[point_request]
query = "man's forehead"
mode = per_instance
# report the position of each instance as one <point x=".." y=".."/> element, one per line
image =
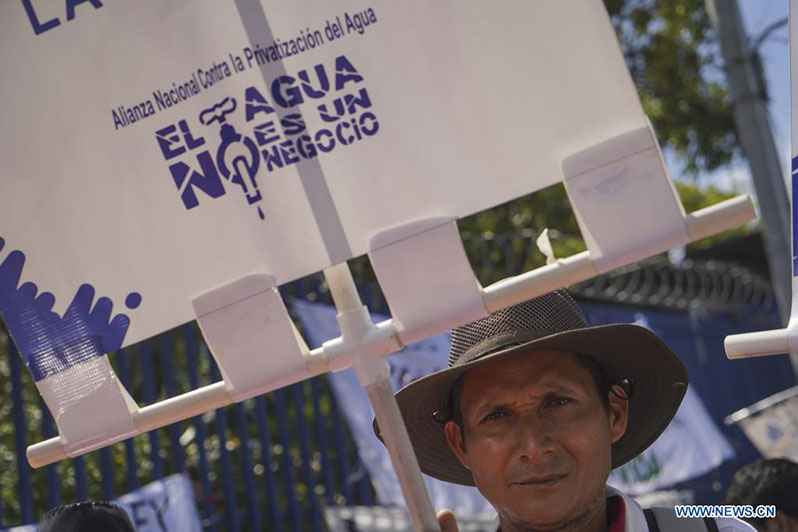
<point x="551" y="368"/>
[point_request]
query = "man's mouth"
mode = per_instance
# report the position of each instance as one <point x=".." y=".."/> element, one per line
<point x="547" y="480"/>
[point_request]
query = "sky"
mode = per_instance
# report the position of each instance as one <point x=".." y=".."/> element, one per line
<point x="774" y="51"/>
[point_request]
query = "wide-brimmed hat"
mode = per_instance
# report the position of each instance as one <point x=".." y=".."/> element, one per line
<point x="655" y="378"/>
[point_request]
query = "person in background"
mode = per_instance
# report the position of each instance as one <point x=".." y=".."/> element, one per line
<point x="87" y="517"/>
<point x="768" y="481"/>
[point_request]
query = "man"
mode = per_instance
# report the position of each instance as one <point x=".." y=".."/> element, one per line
<point x="764" y="482"/>
<point x="536" y="407"/>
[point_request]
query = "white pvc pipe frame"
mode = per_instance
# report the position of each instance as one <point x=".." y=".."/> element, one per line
<point x="381" y="339"/>
<point x="759" y="343"/>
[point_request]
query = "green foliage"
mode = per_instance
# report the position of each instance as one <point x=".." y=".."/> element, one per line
<point x="500" y="242"/>
<point x="674" y="57"/>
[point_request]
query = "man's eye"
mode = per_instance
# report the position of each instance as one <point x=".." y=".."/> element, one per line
<point x="493" y="415"/>
<point x="559" y="401"/>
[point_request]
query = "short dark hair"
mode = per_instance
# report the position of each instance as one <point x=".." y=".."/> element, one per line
<point x="601" y="378"/>
<point x="767" y="481"/>
<point x="82" y="516"/>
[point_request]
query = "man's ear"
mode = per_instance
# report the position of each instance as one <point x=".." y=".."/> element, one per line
<point x="454" y="437"/>
<point x="619" y="412"/>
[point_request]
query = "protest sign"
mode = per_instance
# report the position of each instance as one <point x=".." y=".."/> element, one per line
<point x="257" y="137"/>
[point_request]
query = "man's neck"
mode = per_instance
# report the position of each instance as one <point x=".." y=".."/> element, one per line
<point x="593" y="519"/>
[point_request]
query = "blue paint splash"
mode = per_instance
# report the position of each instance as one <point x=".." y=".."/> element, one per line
<point x="50" y="343"/>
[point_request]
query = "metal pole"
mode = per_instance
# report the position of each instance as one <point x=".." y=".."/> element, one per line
<point x="372" y="373"/>
<point x="756" y="137"/>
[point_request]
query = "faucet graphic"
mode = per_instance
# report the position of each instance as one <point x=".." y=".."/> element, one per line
<point x="237" y="157"/>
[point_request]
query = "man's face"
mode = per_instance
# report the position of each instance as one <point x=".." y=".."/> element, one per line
<point x="538" y="438"/>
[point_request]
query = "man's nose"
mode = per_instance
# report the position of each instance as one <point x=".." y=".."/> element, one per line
<point x="534" y="437"/>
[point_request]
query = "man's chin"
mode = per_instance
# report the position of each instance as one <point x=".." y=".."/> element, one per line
<point x="540" y="513"/>
<point x="551" y="509"/>
<point x="539" y="522"/>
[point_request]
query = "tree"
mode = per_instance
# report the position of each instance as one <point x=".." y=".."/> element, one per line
<point x="673" y="54"/>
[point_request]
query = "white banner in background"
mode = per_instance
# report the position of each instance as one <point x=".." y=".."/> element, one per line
<point x="261" y="136"/>
<point x="691" y="446"/>
<point x="414" y="361"/>
<point x="165" y="505"/>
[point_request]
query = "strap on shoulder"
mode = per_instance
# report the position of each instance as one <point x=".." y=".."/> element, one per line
<point x="651" y="521"/>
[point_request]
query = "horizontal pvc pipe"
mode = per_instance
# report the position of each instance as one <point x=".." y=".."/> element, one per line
<point x="380" y="339"/>
<point x="537" y="282"/>
<point x="720" y="217"/>
<point x="577" y="268"/>
<point x="757" y="344"/>
<point x="148" y="418"/>
<point x="182" y="407"/>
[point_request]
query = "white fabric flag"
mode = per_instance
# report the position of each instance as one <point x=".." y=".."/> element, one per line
<point x="691" y="446"/>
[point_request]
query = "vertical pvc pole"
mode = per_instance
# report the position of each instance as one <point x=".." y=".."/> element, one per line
<point x="793" y="31"/>
<point x="372" y="372"/>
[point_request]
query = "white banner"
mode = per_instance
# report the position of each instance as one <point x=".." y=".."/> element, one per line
<point x="691" y="446"/>
<point x="414" y="361"/>
<point x="165" y="505"/>
<point x="256" y="136"/>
